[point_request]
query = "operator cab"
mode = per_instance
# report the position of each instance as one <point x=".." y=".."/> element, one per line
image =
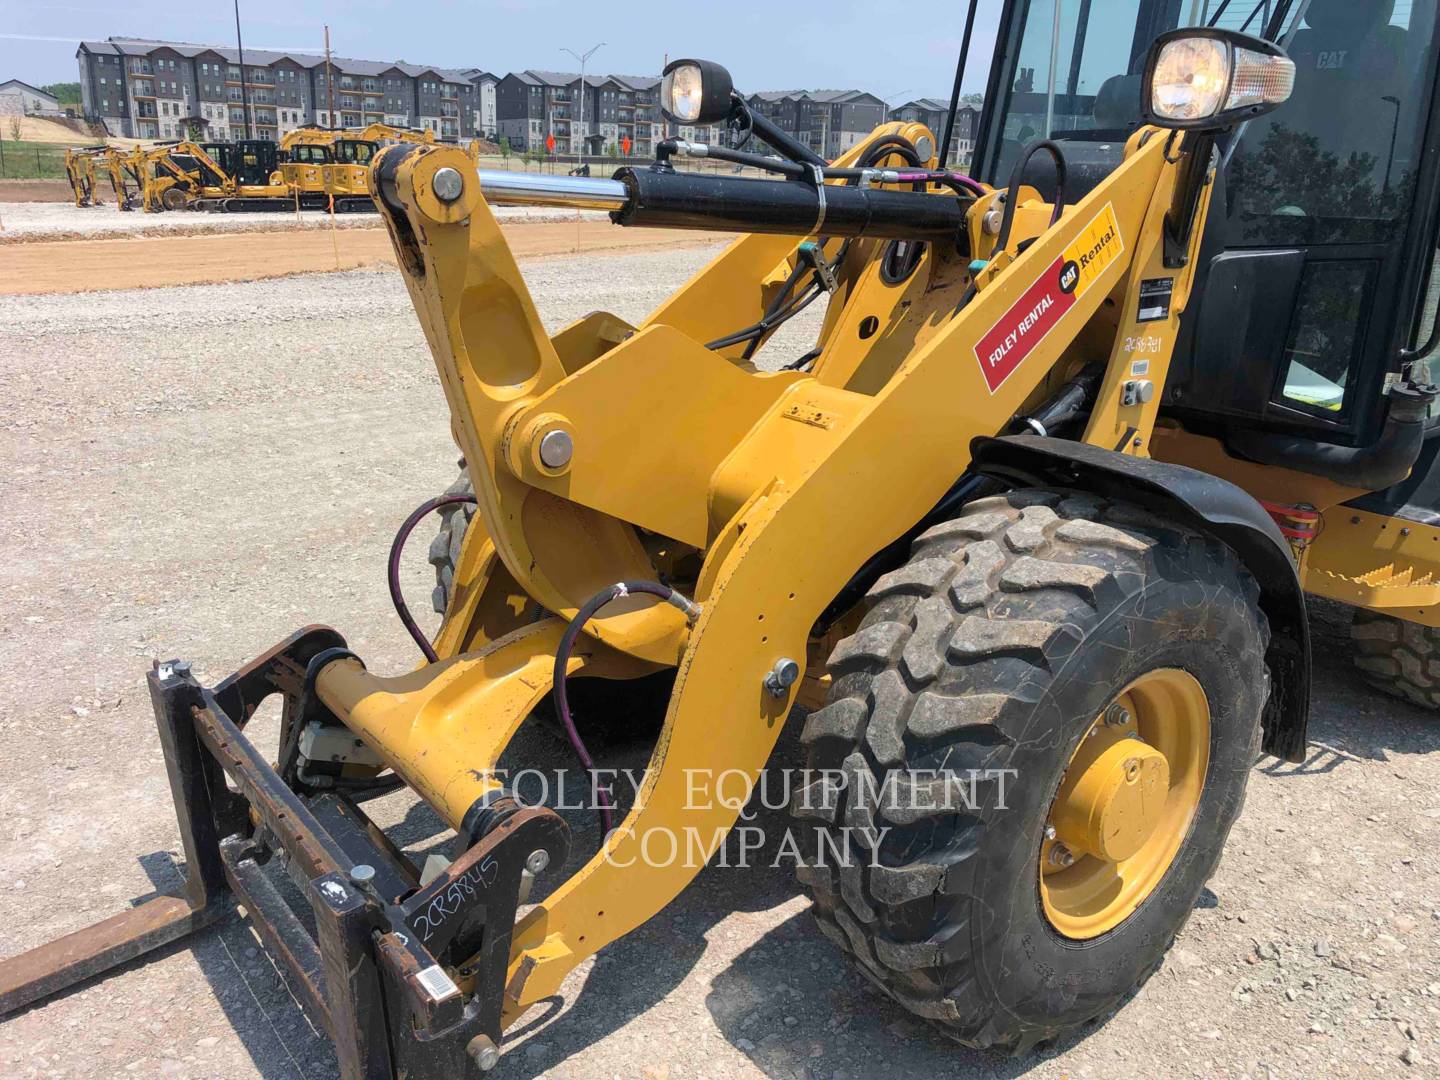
<point x="253" y="161"/>
<point x="354" y="151"/>
<point x="310" y="154"/>
<point x="1318" y="250"/>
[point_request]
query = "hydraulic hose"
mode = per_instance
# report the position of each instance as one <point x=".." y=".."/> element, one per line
<point x="562" y="662"/>
<point x="393" y="573"/>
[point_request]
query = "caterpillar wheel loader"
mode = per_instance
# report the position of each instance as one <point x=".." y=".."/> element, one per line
<point x="1031" y="525"/>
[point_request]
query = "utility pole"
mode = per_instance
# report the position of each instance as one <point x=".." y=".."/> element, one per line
<point x="582" y="57"/>
<point x="244" y="95"/>
<point x="329" y="81"/>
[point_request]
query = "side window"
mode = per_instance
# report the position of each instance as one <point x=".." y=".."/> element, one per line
<point x="1325" y="335"/>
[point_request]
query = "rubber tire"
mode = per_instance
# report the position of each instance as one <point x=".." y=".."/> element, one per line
<point x="995" y="647"/>
<point x="1398" y="658"/>
<point x="444" y="552"/>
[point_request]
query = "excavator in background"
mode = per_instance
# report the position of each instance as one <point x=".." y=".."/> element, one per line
<point x="1030" y="525"/>
<point x="124" y="180"/>
<point x="329" y="169"/>
<point x="80" y="172"/>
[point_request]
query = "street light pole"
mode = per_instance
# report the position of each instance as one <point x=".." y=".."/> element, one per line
<point x="244" y="95"/>
<point x="582" y="57"/>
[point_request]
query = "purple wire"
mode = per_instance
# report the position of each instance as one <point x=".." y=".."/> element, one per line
<point x="396" y="547"/>
<point x="562" y="663"/>
<point x="562" y="654"/>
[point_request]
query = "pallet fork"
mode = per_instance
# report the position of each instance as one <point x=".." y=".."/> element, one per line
<point x="372" y="972"/>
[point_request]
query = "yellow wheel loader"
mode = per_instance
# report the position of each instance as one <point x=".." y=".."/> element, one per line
<point x="1030" y="527"/>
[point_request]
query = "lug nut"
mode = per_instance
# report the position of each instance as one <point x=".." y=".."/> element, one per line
<point x="781" y="677"/>
<point x="1061" y="856"/>
<point x="1116" y="715"/>
<point x="1049" y="832"/>
<point x="447" y="184"/>
<point x="556" y="448"/>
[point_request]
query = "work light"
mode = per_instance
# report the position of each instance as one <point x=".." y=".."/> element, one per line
<point x="1211" y="79"/>
<point x="695" y="92"/>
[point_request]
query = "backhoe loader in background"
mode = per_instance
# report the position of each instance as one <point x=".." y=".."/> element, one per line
<point x="80" y="172"/>
<point x="1032" y="523"/>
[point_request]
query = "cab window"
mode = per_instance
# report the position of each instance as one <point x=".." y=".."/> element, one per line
<point x="1337" y="163"/>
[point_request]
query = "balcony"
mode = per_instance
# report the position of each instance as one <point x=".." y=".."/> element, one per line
<point x="140" y="67"/>
<point x="142" y="89"/>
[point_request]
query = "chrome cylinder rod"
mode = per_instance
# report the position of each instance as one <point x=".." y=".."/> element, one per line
<point x="536" y="189"/>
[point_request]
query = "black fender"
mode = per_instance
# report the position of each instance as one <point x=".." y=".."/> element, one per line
<point x="1208" y="504"/>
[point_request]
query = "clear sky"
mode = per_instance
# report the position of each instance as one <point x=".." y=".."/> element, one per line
<point x="896" y="50"/>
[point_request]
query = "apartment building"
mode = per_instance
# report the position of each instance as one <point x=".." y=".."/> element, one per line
<point x="484" y="101"/>
<point x="147" y="89"/>
<point x="830" y="122"/>
<point x="932" y="113"/>
<point x="532" y="107"/>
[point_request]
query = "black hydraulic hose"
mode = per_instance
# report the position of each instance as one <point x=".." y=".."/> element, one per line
<point x="562" y="663"/>
<point x="1017" y="176"/>
<point x="393" y="572"/>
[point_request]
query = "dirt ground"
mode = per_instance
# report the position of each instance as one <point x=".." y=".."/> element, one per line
<point x="28" y="191"/>
<point x="197" y="471"/>
<point x="267" y="251"/>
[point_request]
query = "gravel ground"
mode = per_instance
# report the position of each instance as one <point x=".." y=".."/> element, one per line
<point x="31" y="221"/>
<point x="198" y="471"/>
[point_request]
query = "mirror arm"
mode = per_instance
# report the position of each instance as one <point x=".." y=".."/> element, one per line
<point x="1198" y="147"/>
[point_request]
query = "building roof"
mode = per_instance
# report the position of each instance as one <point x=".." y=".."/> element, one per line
<point x="33" y="89"/>
<point x="123" y="46"/>
<point x="823" y="97"/>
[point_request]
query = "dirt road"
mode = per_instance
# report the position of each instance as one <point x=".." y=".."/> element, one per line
<point x="199" y="470"/>
<point x="151" y="262"/>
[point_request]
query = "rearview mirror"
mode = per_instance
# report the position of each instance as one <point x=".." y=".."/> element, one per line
<point x="695" y="92"/>
<point x="1208" y="79"/>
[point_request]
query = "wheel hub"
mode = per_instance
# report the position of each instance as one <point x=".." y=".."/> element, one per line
<point x="1125" y="804"/>
<point x="1113" y="799"/>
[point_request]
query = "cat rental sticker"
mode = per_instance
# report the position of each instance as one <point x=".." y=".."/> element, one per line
<point x="1016" y="333"/>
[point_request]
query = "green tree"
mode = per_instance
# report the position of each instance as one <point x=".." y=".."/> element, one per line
<point x="67" y="93"/>
<point x="505" y="147"/>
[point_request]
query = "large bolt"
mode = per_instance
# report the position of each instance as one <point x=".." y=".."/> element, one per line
<point x="448" y="184"/>
<point x="556" y="448"/>
<point x="483" y="1052"/>
<point x="362" y="874"/>
<point x="538" y="860"/>
<point x="1116" y="715"/>
<point x="781" y="677"/>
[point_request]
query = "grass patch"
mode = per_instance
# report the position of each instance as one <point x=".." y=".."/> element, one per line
<point x="31" y="160"/>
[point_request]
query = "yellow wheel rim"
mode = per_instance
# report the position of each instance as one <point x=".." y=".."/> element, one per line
<point x="1125" y="803"/>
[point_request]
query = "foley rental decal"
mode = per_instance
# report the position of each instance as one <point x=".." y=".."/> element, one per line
<point x="1016" y="333"/>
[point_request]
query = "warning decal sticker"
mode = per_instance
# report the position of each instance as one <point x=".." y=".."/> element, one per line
<point x="1016" y="333"/>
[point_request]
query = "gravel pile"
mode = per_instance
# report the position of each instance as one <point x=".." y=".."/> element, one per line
<point x="64" y="221"/>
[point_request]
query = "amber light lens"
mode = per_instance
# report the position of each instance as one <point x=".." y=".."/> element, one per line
<point x="1260" y="80"/>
